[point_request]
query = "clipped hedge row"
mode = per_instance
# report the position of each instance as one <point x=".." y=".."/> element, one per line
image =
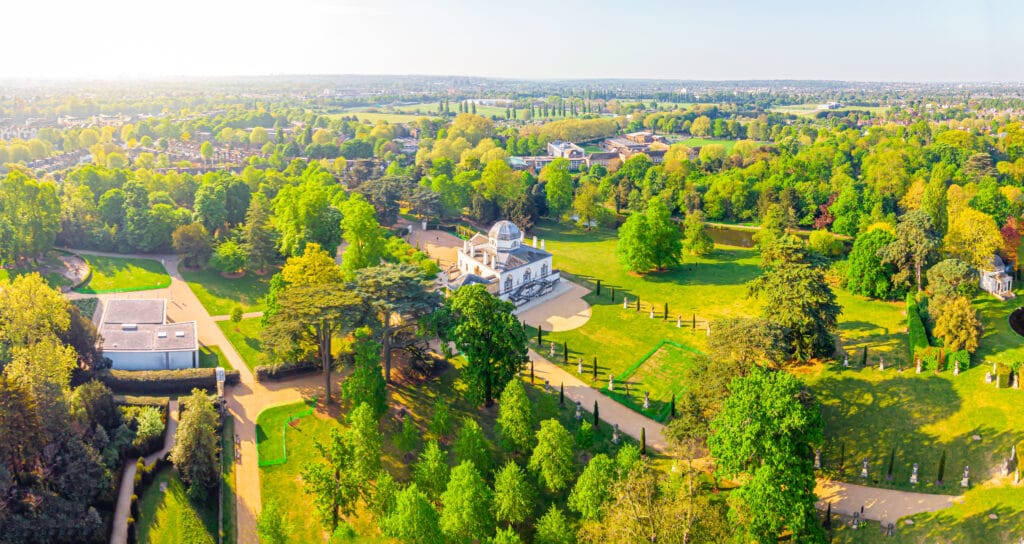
<point x="1003" y="373"/>
<point x="280" y="372"/>
<point x="163" y="382"/>
<point x="915" y="327"/>
<point x="961" y="359"/>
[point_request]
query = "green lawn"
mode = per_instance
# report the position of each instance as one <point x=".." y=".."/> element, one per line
<point x="54" y="279"/>
<point x="212" y="357"/>
<point x="228" y="485"/>
<point x="219" y="295"/>
<point x="116" y="274"/>
<point x="171" y="517"/>
<point x="245" y="337"/>
<point x="809" y="110"/>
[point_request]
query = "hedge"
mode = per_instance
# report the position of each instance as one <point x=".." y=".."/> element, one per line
<point x="915" y="327"/>
<point x="157" y="443"/>
<point x="1003" y="372"/>
<point x="163" y="382"/>
<point x="931" y="359"/>
<point x="961" y="359"/>
<point x="280" y="372"/>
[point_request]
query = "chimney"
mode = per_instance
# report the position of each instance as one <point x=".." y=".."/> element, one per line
<point x="542" y="245"/>
<point x="535" y="241"/>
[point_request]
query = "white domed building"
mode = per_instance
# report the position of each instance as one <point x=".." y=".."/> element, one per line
<point x="510" y="269"/>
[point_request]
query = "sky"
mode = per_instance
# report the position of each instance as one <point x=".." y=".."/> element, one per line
<point x="863" y="40"/>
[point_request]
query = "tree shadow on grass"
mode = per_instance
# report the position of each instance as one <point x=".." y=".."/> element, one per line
<point x="869" y="420"/>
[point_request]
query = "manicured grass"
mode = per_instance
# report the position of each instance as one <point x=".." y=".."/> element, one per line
<point x="228" y="486"/>
<point x="116" y="274"/>
<point x="809" y="110"/>
<point x="269" y="426"/>
<point x="245" y="336"/>
<point x="219" y="295"/>
<point x="212" y="357"/>
<point x="870" y="411"/>
<point x="660" y="373"/>
<point x="173" y="518"/>
<point x="54" y="279"/>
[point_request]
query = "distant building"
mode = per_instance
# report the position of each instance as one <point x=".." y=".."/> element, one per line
<point x="409" y="145"/>
<point x="995" y="279"/>
<point x="511" y="270"/>
<point x="135" y="335"/>
<point x="560" y="149"/>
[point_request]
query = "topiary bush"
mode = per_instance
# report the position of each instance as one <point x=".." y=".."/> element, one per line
<point x="1003" y="372"/>
<point x="961" y="359"/>
<point x="915" y="327"/>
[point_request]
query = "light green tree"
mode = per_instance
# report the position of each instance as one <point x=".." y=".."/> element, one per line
<point x="515" y="416"/>
<point x="552" y="458"/>
<point x="467" y="505"/>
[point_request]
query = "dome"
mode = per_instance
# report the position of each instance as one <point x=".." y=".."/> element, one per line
<point x="505" y="231"/>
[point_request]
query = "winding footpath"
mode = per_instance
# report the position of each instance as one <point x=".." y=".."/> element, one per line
<point x="247" y="399"/>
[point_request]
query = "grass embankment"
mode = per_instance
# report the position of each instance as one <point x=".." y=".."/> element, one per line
<point x="118" y="274"/>
<point x="171" y="517"/>
<point x="219" y="295"/>
<point x="245" y="336"/>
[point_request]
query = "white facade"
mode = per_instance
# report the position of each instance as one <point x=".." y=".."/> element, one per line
<point x="995" y="280"/>
<point x="153" y="360"/>
<point x="511" y="269"/>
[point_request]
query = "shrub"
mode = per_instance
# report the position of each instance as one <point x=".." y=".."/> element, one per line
<point x="280" y="372"/>
<point x="229" y="257"/>
<point x="585" y="435"/>
<point x="163" y="382"/>
<point x="1003" y="372"/>
<point x="915" y="327"/>
<point x="149" y="424"/>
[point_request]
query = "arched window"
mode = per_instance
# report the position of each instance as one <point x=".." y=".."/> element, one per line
<point x="508" y="283"/>
<point x="526" y="276"/>
<point x="544" y="270"/>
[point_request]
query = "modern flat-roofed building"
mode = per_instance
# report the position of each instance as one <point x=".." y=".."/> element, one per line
<point x="135" y="335"/>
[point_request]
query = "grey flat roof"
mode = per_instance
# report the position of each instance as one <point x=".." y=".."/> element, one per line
<point x="134" y="311"/>
<point x="147" y="337"/>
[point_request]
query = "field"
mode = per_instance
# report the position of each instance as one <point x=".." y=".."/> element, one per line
<point x="219" y="295"/>
<point x="117" y="274"/>
<point x="282" y="483"/>
<point x="661" y="373"/>
<point x="173" y="518"/>
<point x="812" y="109"/>
<point x="245" y="339"/>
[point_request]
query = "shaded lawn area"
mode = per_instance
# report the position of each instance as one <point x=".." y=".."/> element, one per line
<point x="54" y="279"/>
<point x="219" y="295"/>
<point x="227" y="476"/>
<point x="87" y="306"/>
<point x="173" y="518"/>
<point x="118" y="274"/>
<point x="283" y="483"/>
<point x="212" y="357"/>
<point x="245" y="336"/>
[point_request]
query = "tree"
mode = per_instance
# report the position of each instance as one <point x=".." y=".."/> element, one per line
<point x="559" y="186"/>
<point x="915" y="247"/>
<point x="228" y="258"/>
<point x="747" y="340"/>
<point x="30" y="213"/>
<point x="206" y="151"/>
<point x="515" y="416"/>
<point x="366" y="383"/>
<point x="957" y="323"/>
<point x="334" y="486"/>
<point x="471" y="445"/>
<point x="796" y="294"/>
<point x="211" y="206"/>
<point x="363" y="235"/>
<point x="315" y="313"/>
<point x="259" y="239"/>
<point x="552" y="459"/>
<point x="196" y="445"/>
<point x="696" y="239"/>
<point x="651" y="240"/>
<point x="593" y="487"/>
<point x="271" y="525"/>
<point x="313" y="266"/>
<point x="305" y="213"/>
<point x="413" y="519"/>
<point x="431" y="471"/>
<point x="193" y="243"/>
<point x="973" y="237"/>
<point x="483" y="328"/>
<point x="766" y="432"/>
<point x="553" y="528"/>
<point x="467" y="505"/>
<point x="363" y="437"/>
<point x="400" y="296"/>
<point x="867" y="275"/>
<point x="513" y="496"/>
<point x="951" y="277"/>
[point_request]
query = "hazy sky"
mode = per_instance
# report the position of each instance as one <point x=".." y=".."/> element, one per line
<point x="711" y="39"/>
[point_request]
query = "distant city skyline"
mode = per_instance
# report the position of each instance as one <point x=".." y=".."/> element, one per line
<point x="574" y="39"/>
